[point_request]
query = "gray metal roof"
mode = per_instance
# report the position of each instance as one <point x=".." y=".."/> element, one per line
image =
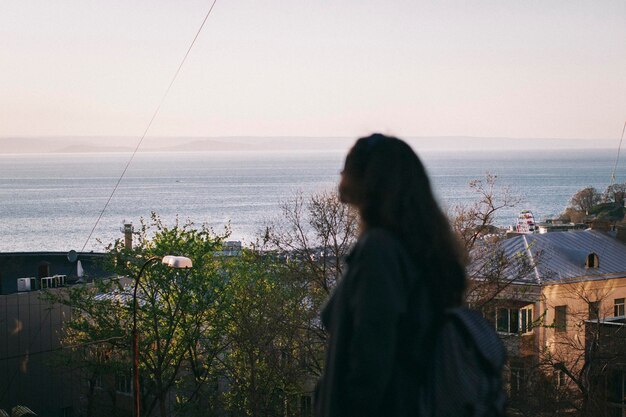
<point x="121" y="297"/>
<point x="562" y="255"/>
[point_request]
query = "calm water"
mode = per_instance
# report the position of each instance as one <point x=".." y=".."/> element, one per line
<point x="51" y="201"/>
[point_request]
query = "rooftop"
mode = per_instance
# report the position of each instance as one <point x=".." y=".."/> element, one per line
<point x="573" y="255"/>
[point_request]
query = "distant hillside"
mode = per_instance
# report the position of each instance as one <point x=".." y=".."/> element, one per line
<point x="22" y="145"/>
<point x="64" y="145"/>
<point x="245" y="143"/>
<point x="92" y="149"/>
<point x="206" y="145"/>
<point x="182" y="144"/>
<point x="90" y="144"/>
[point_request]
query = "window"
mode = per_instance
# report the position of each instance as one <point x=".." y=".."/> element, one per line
<point x="507" y="320"/>
<point x="560" y="379"/>
<point x="594" y="310"/>
<point x="560" y="318"/>
<point x="95" y="380"/>
<point x="123" y="384"/>
<point x="513" y="320"/>
<point x="526" y="319"/>
<point x="592" y="261"/>
<point x="618" y="308"/>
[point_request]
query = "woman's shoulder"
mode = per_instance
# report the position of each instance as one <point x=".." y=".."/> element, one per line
<point x="378" y="242"/>
<point x="379" y="236"/>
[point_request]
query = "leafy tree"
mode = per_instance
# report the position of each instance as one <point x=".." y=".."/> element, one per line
<point x="250" y="324"/>
<point x="95" y="340"/>
<point x="177" y="315"/>
<point x="264" y="322"/>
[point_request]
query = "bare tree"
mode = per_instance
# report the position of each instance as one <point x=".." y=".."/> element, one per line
<point x="615" y="193"/>
<point x="477" y="219"/>
<point x="314" y="235"/>
<point x="491" y="271"/>
<point x="585" y="199"/>
<point x="318" y="231"/>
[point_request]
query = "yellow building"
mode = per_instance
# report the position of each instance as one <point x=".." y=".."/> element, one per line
<point x="555" y="313"/>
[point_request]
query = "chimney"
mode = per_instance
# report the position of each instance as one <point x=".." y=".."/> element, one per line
<point x="128" y="236"/>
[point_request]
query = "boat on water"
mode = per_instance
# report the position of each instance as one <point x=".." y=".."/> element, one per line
<point x="526" y="222"/>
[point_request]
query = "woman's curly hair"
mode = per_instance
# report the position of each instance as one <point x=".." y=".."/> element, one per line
<point x="386" y="181"/>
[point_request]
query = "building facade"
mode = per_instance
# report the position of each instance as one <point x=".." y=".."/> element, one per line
<point x="574" y="286"/>
<point x="30" y="329"/>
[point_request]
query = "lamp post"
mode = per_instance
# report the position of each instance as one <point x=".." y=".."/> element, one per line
<point x="177" y="262"/>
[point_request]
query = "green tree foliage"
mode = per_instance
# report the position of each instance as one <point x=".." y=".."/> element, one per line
<point x="241" y="334"/>
<point x="229" y="335"/>
<point x="96" y="338"/>
<point x="264" y="326"/>
<point x="178" y="311"/>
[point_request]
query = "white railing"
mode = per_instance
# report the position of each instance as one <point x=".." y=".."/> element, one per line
<point x="52" y="282"/>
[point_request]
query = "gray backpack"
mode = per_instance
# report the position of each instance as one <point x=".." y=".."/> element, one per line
<point x="464" y="368"/>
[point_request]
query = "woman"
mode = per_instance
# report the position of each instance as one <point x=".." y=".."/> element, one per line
<point x="404" y="270"/>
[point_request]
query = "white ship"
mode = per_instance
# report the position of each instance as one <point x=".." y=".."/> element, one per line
<point x="526" y="222"/>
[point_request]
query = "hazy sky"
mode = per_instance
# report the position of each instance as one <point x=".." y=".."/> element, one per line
<point x="519" y="68"/>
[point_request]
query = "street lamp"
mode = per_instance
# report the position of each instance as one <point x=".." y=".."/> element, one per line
<point x="177" y="262"/>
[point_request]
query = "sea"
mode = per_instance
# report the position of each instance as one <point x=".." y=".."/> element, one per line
<point x="51" y="202"/>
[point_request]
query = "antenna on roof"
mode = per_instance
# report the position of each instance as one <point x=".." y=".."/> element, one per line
<point x="72" y="256"/>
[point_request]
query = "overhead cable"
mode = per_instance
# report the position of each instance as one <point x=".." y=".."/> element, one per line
<point x="145" y="132"/>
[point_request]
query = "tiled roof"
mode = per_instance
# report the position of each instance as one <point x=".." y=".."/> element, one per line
<point x="563" y="255"/>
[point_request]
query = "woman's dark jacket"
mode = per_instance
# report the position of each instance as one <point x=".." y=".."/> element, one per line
<point x="377" y="318"/>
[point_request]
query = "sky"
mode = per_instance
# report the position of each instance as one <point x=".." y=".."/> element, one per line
<point x="483" y="68"/>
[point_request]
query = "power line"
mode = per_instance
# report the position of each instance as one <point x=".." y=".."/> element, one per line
<point x="145" y="132"/>
<point x="617" y="158"/>
<point x="29" y="354"/>
<point x="41" y="352"/>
